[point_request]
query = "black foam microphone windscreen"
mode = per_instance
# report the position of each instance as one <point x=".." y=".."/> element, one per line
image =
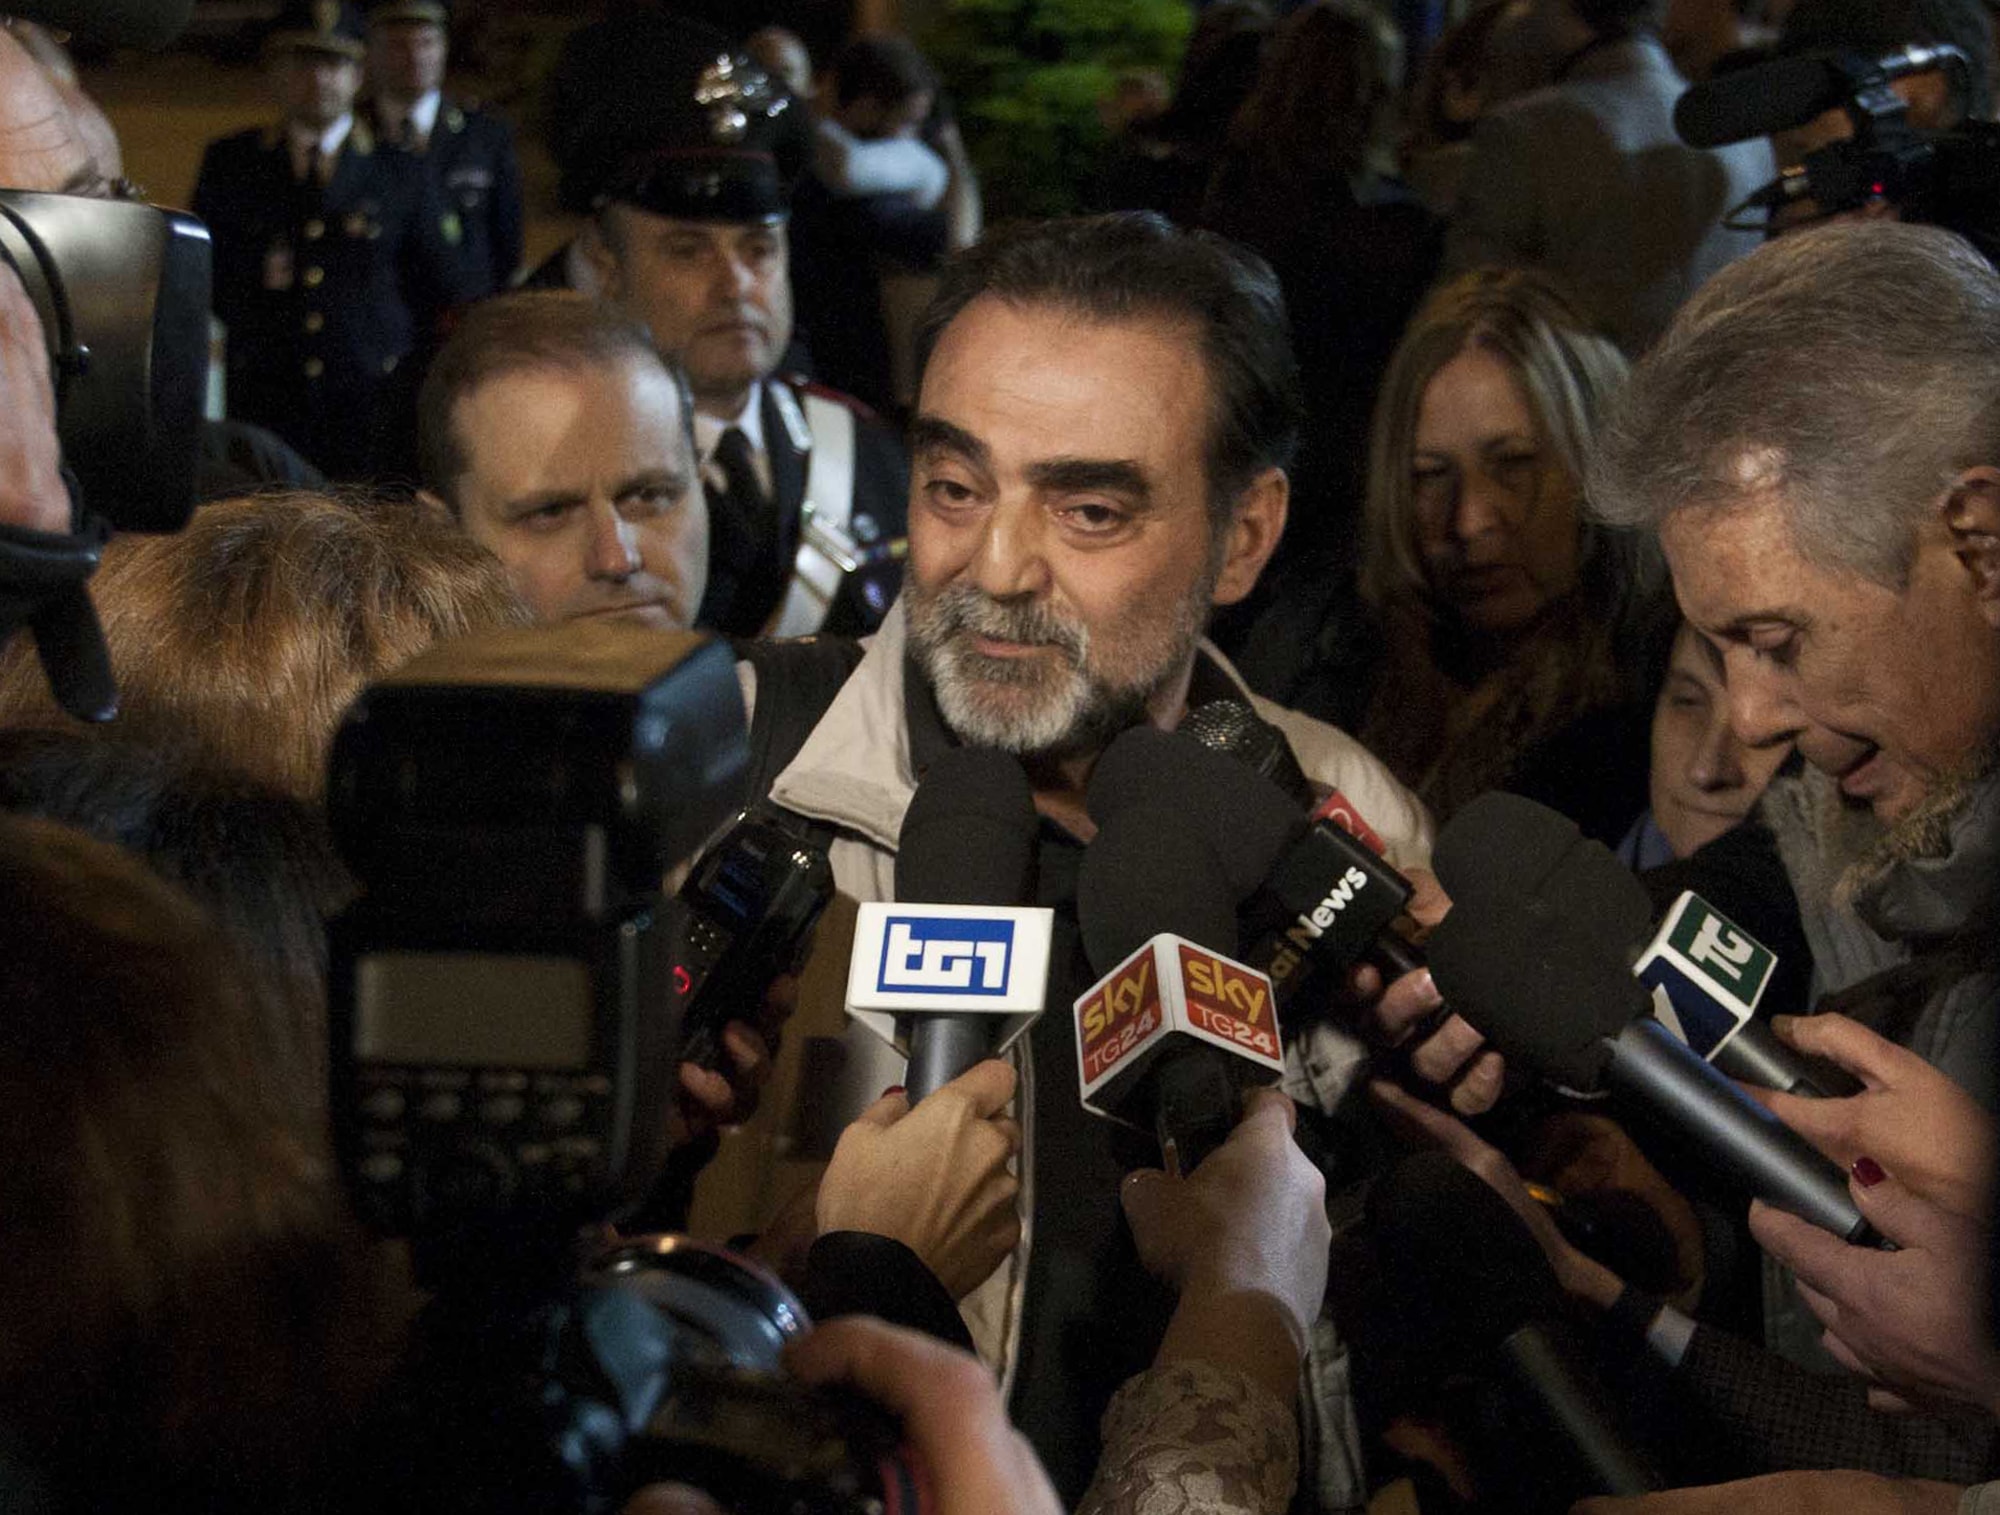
<point x="1245" y="820"/>
<point x="1503" y="847"/>
<point x="969" y="835"/>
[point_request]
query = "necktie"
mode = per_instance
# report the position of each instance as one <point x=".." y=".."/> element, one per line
<point x="744" y="525"/>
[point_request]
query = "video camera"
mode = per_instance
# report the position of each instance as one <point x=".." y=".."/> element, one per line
<point x="1948" y="178"/>
<point x="505" y="1011"/>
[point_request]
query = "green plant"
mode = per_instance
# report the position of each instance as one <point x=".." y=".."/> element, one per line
<point x="1026" y="76"/>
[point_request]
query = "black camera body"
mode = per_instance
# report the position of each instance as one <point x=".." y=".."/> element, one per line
<point x="504" y="1021"/>
<point x="123" y="292"/>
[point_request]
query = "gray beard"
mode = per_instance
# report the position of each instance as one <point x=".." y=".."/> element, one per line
<point x="1075" y="714"/>
<point x="1859" y="848"/>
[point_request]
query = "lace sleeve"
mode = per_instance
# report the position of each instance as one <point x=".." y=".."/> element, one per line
<point x="1188" y="1438"/>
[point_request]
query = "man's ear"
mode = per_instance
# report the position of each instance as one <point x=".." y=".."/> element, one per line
<point x="598" y="253"/>
<point x="436" y="508"/>
<point x="1972" y="517"/>
<point x="1255" y="524"/>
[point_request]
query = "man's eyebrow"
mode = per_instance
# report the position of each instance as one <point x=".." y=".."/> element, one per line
<point x="934" y="434"/>
<point x="670" y="480"/>
<point x="1084" y="475"/>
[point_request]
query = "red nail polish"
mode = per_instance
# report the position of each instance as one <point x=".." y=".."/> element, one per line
<point x="892" y="1089"/>
<point x="1867" y="1172"/>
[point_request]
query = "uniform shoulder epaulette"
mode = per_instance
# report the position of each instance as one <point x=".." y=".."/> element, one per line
<point x="841" y="397"/>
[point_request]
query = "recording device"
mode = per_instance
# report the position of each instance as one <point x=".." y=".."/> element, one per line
<point x="123" y="295"/>
<point x="1537" y="960"/>
<point x="1945" y="178"/>
<point x="149" y="24"/>
<point x="503" y="1004"/>
<point x="504" y="1038"/>
<point x="1473" y="1289"/>
<point x="1175" y="1029"/>
<point x="956" y="969"/>
<point x="745" y="915"/>
<point x="1330" y="899"/>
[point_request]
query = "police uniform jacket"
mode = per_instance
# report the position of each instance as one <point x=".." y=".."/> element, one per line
<point x="477" y="178"/>
<point x="324" y="287"/>
<point x="749" y="571"/>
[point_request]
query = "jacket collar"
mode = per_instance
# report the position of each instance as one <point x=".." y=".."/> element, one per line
<point x="859" y="768"/>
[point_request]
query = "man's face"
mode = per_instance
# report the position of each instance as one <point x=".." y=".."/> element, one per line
<point x="315" y="89"/>
<point x="581" y="482"/>
<point x="716" y="295"/>
<point x="1890" y="691"/>
<point x="1062" y="563"/>
<point x="406" y="58"/>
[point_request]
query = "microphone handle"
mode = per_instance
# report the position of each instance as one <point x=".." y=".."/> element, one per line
<point x="1754" y="1056"/>
<point x="1772" y="1161"/>
<point x="942" y="1047"/>
<point x="1194" y="1107"/>
<point x="1571" y="1398"/>
<point x="1394" y="956"/>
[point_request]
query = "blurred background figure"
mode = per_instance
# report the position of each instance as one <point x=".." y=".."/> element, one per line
<point x="1587" y="179"/>
<point x="332" y="260"/>
<point x="469" y="152"/>
<point x="1305" y="179"/>
<point x="782" y="55"/>
<point x="890" y="193"/>
<point x="1454" y="87"/>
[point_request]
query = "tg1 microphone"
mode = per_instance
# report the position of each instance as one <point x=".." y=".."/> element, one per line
<point x="955" y="970"/>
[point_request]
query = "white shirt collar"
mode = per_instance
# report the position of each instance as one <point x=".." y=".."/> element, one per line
<point x="422" y="113"/>
<point x="708" y="432"/>
<point x="708" y="429"/>
<point x="329" y="141"/>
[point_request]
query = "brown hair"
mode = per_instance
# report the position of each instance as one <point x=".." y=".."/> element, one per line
<point x="248" y="633"/>
<point x="540" y="328"/>
<point x="185" y="1290"/>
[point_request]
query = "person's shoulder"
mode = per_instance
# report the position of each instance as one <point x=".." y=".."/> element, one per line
<point x="1333" y="758"/>
<point x="467" y="117"/>
<point x="245" y="146"/>
<point x="804" y="388"/>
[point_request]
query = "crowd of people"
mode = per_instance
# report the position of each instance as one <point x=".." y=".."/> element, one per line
<point x="1411" y="382"/>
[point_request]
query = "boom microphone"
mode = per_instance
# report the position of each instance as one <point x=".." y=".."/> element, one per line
<point x="1475" y="1283"/>
<point x="955" y="969"/>
<point x="1547" y="984"/>
<point x="1788" y="92"/>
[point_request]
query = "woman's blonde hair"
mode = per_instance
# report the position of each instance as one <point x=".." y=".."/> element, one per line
<point x="1567" y="371"/>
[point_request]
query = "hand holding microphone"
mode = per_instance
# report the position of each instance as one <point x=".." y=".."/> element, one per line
<point x="1244" y="1240"/>
<point x="935" y="1176"/>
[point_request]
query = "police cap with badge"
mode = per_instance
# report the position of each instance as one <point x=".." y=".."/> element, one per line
<point x="683" y="127"/>
<point x="318" y="26"/>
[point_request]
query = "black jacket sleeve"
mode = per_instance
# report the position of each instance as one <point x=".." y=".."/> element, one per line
<point x="858" y="1273"/>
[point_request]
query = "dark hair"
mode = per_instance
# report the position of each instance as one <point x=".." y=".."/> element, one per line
<point x="1328" y="72"/>
<point x="541" y="328"/>
<point x="1138" y="266"/>
<point x="883" y="67"/>
<point x="1617" y="18"/>
<point x="261" y="862"/>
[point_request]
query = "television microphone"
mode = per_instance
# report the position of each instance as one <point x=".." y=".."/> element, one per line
<point x="1175" y="1029"/>
<point x="1472" y="1282"/>
<point x="1330" y="900"/>
<point x="1542" y="978"/>
<point x="956" y="969"/>
<point x="1706" y="974"/>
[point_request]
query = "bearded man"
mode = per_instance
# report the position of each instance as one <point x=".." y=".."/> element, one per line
<point x="1106" y="411"/>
